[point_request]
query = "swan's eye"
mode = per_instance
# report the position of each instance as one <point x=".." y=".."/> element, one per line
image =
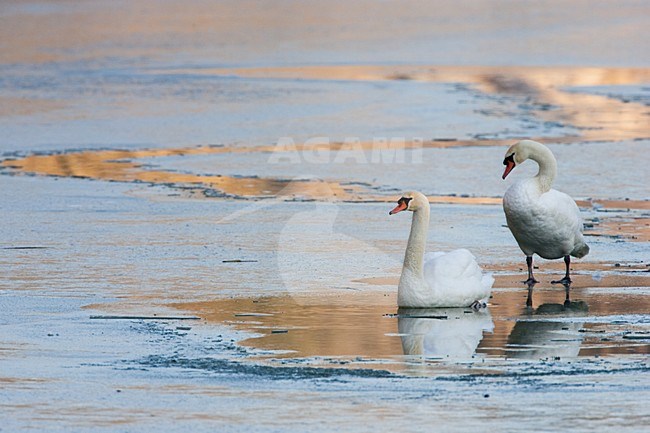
<point x="405" y="201"/>
<point x="508" y="159"/>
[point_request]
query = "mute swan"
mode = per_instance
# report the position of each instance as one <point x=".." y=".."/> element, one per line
<point x="544" y="221"/>
<point x="437" y="279"/>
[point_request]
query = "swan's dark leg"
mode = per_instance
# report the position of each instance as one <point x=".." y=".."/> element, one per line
<point x="567" y="279"/>
<point x="531" y="279"/>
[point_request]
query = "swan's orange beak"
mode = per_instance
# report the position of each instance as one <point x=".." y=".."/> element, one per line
<point x="510" y="164"/>
<point x="400" y="207"/>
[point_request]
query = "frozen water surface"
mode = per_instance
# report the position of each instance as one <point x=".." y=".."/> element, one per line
<point x="336" y="332"/>
<point x="260" y="288"/>
<point x="584" y="170"/>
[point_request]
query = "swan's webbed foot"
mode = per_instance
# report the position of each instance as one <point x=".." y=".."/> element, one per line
<point x="530" y="281"/>
<point x="566" y="281"/>
<point x="477" y="305"/>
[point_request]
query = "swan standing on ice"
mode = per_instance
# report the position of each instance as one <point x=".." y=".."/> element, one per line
<point x="437" y="279"/>
<point x="544" y="221"/>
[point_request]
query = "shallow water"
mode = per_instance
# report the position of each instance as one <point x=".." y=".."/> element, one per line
<point x="362" y="326"/>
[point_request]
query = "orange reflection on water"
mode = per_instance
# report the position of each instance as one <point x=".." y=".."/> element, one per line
<point x="122" y="166"/>
<point x="363" y="324"/>
<point x="630" y="229"/>
<point x="118" y="165"/>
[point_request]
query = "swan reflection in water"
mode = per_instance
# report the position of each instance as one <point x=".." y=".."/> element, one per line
<point x="453" y="333"/>
<point x="543" y="333"/>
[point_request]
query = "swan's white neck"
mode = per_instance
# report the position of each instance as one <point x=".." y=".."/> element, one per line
<point x="547" y="167"/>
<point x="414" y="257"/>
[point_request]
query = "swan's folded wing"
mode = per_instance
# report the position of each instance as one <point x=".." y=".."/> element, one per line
<point x="562" y="209"/>
<point x="452" y="267"/>
<point x="456" y="278"/>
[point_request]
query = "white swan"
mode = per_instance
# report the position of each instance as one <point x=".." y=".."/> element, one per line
<point x="438" y="279"/>
<point x="544" y="221"/>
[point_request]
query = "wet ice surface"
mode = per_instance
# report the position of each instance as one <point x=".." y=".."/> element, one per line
<point x="321" y="274"/>
<point x="200" y="378"/>
<point x="317" y="331"/>
<point x="160" y="254"/>
<point x="637" y="94"/>
<point x="474" y="171"/>
<point x="144" y="245"/>
<point x="131" y="249"/>
<point x="240" y="110"/>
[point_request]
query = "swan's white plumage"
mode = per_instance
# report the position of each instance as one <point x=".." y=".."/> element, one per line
<point x="438" y="279"/>
<point x="547" y="224"/>
<point x="455" y="278"/>
<point x="544" y="221"/>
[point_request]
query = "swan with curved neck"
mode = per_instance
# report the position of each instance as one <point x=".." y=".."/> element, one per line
<point x="544" y="221"/>
<point x="438" y="279"/>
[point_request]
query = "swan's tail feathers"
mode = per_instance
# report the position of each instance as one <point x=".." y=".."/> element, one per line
<point x="580" y="251"/>
<point x="487" y="280"/>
